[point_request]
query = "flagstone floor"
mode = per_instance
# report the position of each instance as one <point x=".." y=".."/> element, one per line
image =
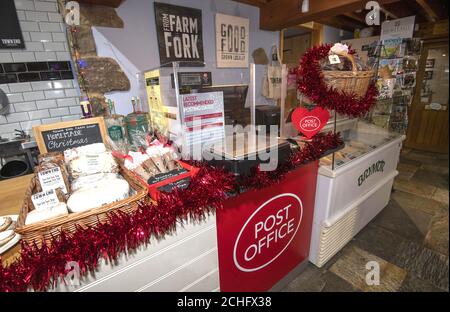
<point x="409" y="238"/>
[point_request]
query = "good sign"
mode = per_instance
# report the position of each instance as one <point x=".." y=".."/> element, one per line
<point x="268" y="232"/>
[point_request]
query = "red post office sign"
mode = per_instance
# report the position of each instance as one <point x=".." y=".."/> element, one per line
<point x="264" y="234"/>
<point x="310" y="122"/>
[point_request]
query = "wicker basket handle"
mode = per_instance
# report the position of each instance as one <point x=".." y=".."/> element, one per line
<point x="351" y="59"/>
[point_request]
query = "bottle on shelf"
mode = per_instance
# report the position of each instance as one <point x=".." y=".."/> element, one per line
<point x="116" y="127"/>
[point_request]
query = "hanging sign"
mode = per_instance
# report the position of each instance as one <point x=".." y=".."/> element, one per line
<point x="232" y="40"/>
<point x="179" y="32"/>
<point x="398" y="28"/>
<point x="309" y="123"/>
<point x="10" y="32"/>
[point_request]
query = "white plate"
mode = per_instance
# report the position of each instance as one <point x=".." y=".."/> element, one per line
<point x="15" y="239"/>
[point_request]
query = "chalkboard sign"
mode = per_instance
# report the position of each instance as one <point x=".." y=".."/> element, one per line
<point x="64" y="135"/>
<point x="10" y="32"/>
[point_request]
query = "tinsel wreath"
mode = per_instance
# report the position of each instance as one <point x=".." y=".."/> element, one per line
<point x="41" y="267"/>
<point x="310" y="82"/>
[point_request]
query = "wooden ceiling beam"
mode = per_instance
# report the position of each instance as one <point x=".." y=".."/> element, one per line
<point x="355" y="17"/>
<point x="430" y="13"/>
<point x="278" y="14"/>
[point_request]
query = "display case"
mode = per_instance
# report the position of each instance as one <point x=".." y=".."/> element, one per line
<point x="353" y="186"/>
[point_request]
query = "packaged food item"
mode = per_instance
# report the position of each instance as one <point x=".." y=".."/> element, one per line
<point x="106" y="191"/>
<point x="51" y="173"/>
<point x="89" y="164"/>
<point x="45" y="214"/>
<point x="91" y="180"/>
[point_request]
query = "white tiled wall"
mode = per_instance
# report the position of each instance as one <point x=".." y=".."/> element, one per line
<point x="41" y="102"/>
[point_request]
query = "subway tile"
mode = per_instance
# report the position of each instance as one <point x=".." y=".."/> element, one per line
<point x="9" y="128"/>
<point x="48" y="26"/>
<point x="37" y="66"/>
<point x="41" y="36"/>
<point x="36" y="16"/>
<point x="56" y="112"/>
<point x="71" y="92"/>
<point x="29" y="26"/>
<point x="4" y="88"/>
<point x="28" y="125"/>
<point x="14" y="98"/>
<point x="54" y="17"/>
<point x="5" y="57"/>
<point x="54" y="94"/>
<point x="67" y="75"/>
<point x="20" y="87"/>
<point x="45" y="56"/>
<point x="51" y="120"/>
<point x="59" y="65"/>
<point x="28" y="77"/>
<point x="50" y="75"/>
<point x="8" y="78"/>
<point x="66" y="102"/>
<point x="45" y="6"/>
<point x="24" y="5"/>
<point x="46" y="104"/>
<point x="63" y="56"/>
<point x="54" y="46"/>
<point x="17" y="117"/>
<point x="14" y="67"/>
<point x="34" y="46"/>
<point x="3" y="120"/>
<point x="62" y="84"/>
<point x="59" y="37"/>
<point x="23" y="57"/>
<point x="41" y="85"/>
<point x="26" y="36"/>
<point x="21" y="15"/>
<point x="34" y="96"/>
<point x="71" y="118"/>
<point x="75" y="110"/>
<point x="39" y="114"/>
<point x="24" y="106"/>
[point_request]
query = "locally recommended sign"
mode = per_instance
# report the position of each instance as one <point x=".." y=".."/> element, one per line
<point x="263" y="235"/>
<point x="179" y="32"/>
<point x="232" y="40"/>
<point x="10" y="32"/>
<point x="203" y="118"/>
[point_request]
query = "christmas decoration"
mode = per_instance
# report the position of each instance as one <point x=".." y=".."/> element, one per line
<point x="41" y="267"/>
<point x="310" y="82"/>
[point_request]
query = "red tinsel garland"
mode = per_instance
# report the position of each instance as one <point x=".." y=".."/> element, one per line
<point x="42" y="267"/>
<point x="310" y="82"/>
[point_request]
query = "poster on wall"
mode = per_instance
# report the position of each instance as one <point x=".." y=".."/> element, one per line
<point x="10" y="32"/>
<point x="232" y="40"/>
<point x="179" y="32"/>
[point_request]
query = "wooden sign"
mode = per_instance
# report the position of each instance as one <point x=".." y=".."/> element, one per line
<point x="60" y="136"/>
<point x="179" y="32"/>
<point x="10" y="33"/>
<point x="232" y="40"/>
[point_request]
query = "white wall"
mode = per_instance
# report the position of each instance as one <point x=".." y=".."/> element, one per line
<point x="136" y="45"/>
<point x="333" y="35"/>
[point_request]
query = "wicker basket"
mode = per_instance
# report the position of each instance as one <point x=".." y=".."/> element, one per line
<point x="44" y="230"/>
<point x="351" y="82"/>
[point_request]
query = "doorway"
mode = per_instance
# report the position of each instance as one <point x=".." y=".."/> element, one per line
<point x="428" y="123"/>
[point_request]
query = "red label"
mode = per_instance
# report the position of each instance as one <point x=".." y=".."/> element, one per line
<point x="309" y="123"/>
<point x="268" y="232"/>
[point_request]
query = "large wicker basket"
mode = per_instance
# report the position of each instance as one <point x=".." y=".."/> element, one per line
<point x="350" y="82"/>
<point x="44" y="230"/>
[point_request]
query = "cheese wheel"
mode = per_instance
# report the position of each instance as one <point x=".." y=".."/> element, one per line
<point x="104" y="192"/>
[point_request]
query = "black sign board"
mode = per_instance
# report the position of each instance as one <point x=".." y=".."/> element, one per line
<point x="10" y="32"/>
<point x="179" y="32"/>
<point x="64" y="135"/>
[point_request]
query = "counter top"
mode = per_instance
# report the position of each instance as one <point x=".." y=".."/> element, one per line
<point x="12" y="192"/>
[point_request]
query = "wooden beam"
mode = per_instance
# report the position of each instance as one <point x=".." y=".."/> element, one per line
<point x="340" y="23"/>
<point x="430" y="14"/>
<point x="257" y="3"/>
<point x="279" y="14"/>
<point x="355" y="17"/>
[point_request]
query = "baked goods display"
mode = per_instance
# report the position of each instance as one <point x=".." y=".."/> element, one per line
<point x="76" y="180"/>
<point x="8" y="238"/>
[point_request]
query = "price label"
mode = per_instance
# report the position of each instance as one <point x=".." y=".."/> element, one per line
<point x="93" y="163"/>
<point x="52" y="179"/>
<point x="334" y="59"/>
<point x="45" y="200"/>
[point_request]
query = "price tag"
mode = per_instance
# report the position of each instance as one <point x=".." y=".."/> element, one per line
<point x="52" y="179"/>
<point x="334" y="59"/>
<point x="93" y="163"/>
<point x="45" y="200"/>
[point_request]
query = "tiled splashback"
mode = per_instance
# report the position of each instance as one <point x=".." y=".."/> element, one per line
<point x="38" y="80"/>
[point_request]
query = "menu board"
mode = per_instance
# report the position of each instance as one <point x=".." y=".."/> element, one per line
<point x="203" y="118"/>
<point x="60" y="136"/>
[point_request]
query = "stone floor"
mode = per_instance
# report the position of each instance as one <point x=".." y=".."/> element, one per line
<point x="409" y="238"/>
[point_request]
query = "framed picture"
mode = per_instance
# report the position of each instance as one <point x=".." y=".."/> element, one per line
<point x="429" y="63"/>
<point x="428" y="75"/>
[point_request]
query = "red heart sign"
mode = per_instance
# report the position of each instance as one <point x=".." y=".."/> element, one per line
<point x="310" y="122"/>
